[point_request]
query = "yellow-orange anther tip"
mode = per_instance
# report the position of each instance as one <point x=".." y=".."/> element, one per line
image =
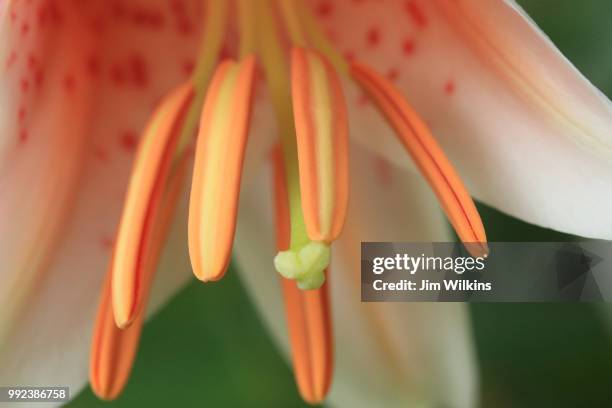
<point x="211" y="274"/>
<point x="124" y="311"/>
<point x="321" y="124"/>
<point x="218" y="165"/>
<point x="123" y="321"/>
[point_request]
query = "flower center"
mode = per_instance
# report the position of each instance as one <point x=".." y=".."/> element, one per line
<point x="312" y="122"/>
<point x="311" y="178"/>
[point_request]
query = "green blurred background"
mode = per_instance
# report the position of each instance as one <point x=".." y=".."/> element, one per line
<point x="207" y="347"/>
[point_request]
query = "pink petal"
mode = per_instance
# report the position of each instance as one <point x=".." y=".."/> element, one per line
<point x="527" y="131"/>
<point x="94" y="71"/>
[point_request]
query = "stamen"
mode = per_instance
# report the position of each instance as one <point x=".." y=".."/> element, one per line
<point x="308" y="313"/>
<point x="113" y="349"/>
<point x="310" y="271"/>
<point x="149" y="176"/>
<point x="218" y="168"/>
<point x="322" y="142"/>
<point x="428" y="156"/>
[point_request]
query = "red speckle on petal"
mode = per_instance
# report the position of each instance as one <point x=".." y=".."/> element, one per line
<point x="383" y="171"/>
<point x="69" y="82"/>
<point x="148" y="18"/>
<point x="23" y="136"/>
<point x="12" y="58"/>
<point x="185" y="27"/>
<point x="177" y="6"/>
<point x="129" y="140"/>
<point x="373" y="37"/>
<point x="98" y="25"/>
<point x="324" y="8"/>
<point x="349" y="56"/>
<point x="56" y="13"/>
<point x="25" y="85"/>
<point x="182" y="21"/>
<point x="393" y="74"/>
<point x="138" y="70"/>
<point x="118" y="10"/>
<point x="32" y="61"/>
<point x="117" y="75"/>
<point x="92" y="65"/>
<point x="39" y="78"/>
<point x="42" y="15"/>
<point x="449" y="87"/>
<point x="416" y="14"/>
<point x="225" y="53"/>
<point x="25" y="28"/>
<point x="106" y="243"/>
<point x="363" y="100"/>
<point x="21" y="114"/>
<point x="188" y="67"/>
<point x="100" y="154"/>
<point x="408" y="47"/>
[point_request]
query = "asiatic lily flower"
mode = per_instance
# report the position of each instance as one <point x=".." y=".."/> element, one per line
<point x="82" y="81"/>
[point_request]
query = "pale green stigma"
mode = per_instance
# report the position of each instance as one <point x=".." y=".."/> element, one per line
<point x="306" y="265"/>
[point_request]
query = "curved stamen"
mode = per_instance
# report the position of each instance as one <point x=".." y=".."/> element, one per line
<point x="304" y="259"/>
<point x="150" y="172"/>
<point x="218" y="168"/>
<point x="428" y="156"/>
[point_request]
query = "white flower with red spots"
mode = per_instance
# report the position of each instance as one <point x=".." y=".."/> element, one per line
<point x="82" y="194"/>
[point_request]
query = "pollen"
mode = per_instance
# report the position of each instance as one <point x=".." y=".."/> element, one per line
<point x="307" y="266"/>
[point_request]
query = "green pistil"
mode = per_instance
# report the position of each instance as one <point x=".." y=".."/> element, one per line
<point x="306" y="265"/>
<point x="305" y="261"/>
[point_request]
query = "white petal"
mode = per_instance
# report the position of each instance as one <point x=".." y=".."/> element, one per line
<point x="103" y="70"/>
<point x="387" y="354"/>
<point x="529" y="134"/>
